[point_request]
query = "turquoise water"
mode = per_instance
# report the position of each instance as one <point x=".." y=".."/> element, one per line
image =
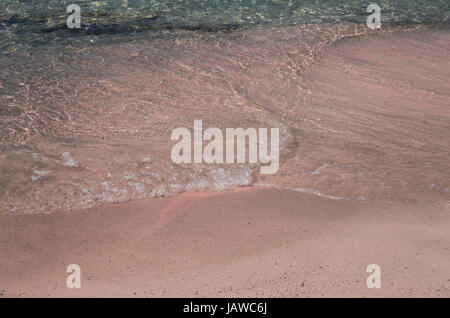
<point x="29" y="23"/>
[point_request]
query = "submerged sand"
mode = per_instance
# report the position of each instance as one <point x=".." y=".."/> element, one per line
<point x="366" y="118"/>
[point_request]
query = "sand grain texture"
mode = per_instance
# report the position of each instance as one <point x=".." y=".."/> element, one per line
<point x="243" y="243"/>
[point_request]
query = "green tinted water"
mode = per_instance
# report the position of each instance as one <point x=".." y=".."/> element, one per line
<point x="27" y="23"/>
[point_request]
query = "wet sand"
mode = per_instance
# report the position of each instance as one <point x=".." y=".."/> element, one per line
<point x="374" y="120"/>
<point x="243" y="243"/>
<point x="391" y="144"/>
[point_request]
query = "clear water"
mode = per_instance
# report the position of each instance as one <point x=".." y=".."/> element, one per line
<point x="86" y="115"/>
<point x="28" y="23"/>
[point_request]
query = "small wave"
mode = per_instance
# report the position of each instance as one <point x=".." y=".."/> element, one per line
<point x="78" y="181"/>
<point x="303" y="190"/>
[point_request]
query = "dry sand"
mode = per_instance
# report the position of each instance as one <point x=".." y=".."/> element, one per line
<point x="242" y="243"/>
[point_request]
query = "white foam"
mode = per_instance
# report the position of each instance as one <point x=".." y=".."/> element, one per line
<point x="303" y="190"/>
<point x="68" y="160"/>
<point x="317" y="171"/>
<point x="40" y="173"/>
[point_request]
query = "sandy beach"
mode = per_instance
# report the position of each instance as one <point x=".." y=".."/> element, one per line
<point x="242" y="243"/>
<point x="380" y="119"/>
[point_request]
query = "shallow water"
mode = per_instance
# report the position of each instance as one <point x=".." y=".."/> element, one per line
<point x="86" y="116"/>
<point x="29" y="24"/>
